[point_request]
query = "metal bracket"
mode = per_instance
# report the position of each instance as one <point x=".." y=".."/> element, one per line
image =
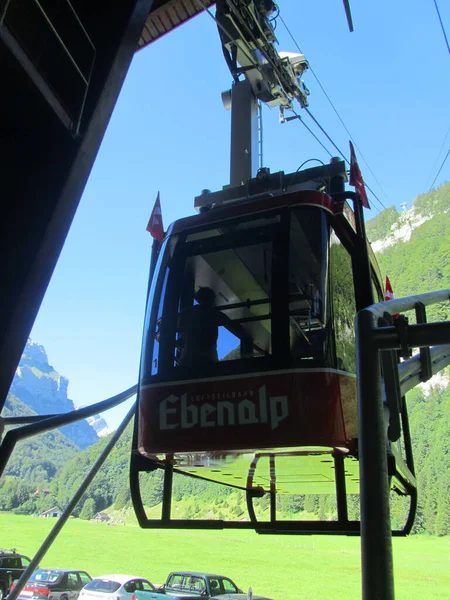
<point x="425" y="353"/>
<point x="401" y="324"/>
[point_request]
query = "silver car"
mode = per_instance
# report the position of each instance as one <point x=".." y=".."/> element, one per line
<point x="54" y="584"/>
<point x="115" y="587"/>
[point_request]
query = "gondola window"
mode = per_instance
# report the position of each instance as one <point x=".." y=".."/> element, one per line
<point x="217" y="302"/>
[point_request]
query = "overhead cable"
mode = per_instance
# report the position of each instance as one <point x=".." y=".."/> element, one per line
<point x="438" y="155"/>
<point x="312" y="133"/>
<point x="335" y="109"/>
<point x="326" y="134"/>
<point x="442" y="25"/>
<point x="440" y="169"/>
<point x="337" y="148"/>
<point x="342" y="154"/>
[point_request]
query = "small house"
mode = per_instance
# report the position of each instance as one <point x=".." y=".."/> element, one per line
<point x="52" y="512"/>
<point x="102" y="517"/>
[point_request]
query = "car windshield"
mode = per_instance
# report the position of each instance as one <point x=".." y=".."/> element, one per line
<point x="105" y="586"/>
<point x="47" y="576"/>
<point x="10" y="563"/>
<point x="186" y="583"/>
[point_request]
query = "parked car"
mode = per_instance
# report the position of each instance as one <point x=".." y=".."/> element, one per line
<point x="118" y="587"/>
<point x="12" y="565"/>
<point x="191" y="585"/>
<point x="54" y="584"/>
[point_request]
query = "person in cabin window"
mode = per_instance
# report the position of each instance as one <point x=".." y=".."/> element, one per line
<point x="199" y="326"/>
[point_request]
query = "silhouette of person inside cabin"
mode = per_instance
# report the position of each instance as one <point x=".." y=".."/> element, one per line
<point x="200" y="324"/>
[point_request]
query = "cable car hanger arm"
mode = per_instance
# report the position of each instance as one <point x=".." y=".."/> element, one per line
<point x="248" y="38"/>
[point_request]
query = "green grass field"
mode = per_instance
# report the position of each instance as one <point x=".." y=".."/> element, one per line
<point x="282" y="567"/>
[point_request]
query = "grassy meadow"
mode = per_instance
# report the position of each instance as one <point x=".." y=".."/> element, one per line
<point x="282" y="567"/>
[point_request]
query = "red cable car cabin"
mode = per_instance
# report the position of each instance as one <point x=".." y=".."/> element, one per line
<point x="271" y="406"/>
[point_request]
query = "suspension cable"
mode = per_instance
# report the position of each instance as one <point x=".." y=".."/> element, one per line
<point x="442" y="25"/>
<point x="326" y="134"/>
<point x="297" y="116"/>
<point x="440" y="169"/>
<point x="334" y="108"/>
<point x="342" y="154"/>
<point x="437" y="157"/>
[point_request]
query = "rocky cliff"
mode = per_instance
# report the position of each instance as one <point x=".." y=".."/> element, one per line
<point x="44" y="390"/>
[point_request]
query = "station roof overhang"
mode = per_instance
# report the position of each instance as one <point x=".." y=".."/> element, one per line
<point x="166" y="15"/>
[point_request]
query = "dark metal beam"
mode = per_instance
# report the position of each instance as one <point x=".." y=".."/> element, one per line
<point x="341" y="492"/>
<point x="46" y="169"/>
<point x="376" y="543"/>
<point x="55" y="421"/>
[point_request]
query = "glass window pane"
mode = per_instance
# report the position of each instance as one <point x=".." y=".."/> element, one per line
<point x="175" y="582"/>
<point x="344" y="306"/>
<point x="103" y="585"/>
<point x="307" y="283"/>
<point x="130" y="587"/>
<point x="42" y="575"/>
<point x="156" y="335"/>
<point x="146" y="586"/>
<point x="85" y="579"/>
<point x="376" y="290"/>
<point x="72" y="581"/>
<point x="223" y="307"/>
<point x="228" y="586"/>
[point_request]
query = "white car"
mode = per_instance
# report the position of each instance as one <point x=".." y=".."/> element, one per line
<point x="115" y="587"/>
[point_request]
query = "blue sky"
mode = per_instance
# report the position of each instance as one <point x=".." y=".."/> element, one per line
<point x="389" y="81"/>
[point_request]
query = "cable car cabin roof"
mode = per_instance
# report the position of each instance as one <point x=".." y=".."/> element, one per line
<point x="166" y="15"/>
<point x="340" y="210"/>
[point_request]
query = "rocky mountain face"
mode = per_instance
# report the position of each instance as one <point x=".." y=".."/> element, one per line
<point x="391" y="227"/>
<point x="44" y="390"/>
<point x="100" y="426"/>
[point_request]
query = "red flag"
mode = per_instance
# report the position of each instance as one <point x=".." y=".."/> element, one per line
<point x="389" y="294"/>
<point x="155" y="225"/>
<point x="356" y="178"/>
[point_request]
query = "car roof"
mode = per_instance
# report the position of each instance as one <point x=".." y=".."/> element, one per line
<point x="199" y="574"/>
<point x="60" y="570"/>
<point x="119" y="578"/>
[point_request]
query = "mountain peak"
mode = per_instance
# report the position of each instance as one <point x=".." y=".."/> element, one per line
<point x="35" y="353"/>
<point x="44" y="390"/>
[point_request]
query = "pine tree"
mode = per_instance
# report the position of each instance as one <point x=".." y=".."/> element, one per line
<point x="88" y="511"/>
